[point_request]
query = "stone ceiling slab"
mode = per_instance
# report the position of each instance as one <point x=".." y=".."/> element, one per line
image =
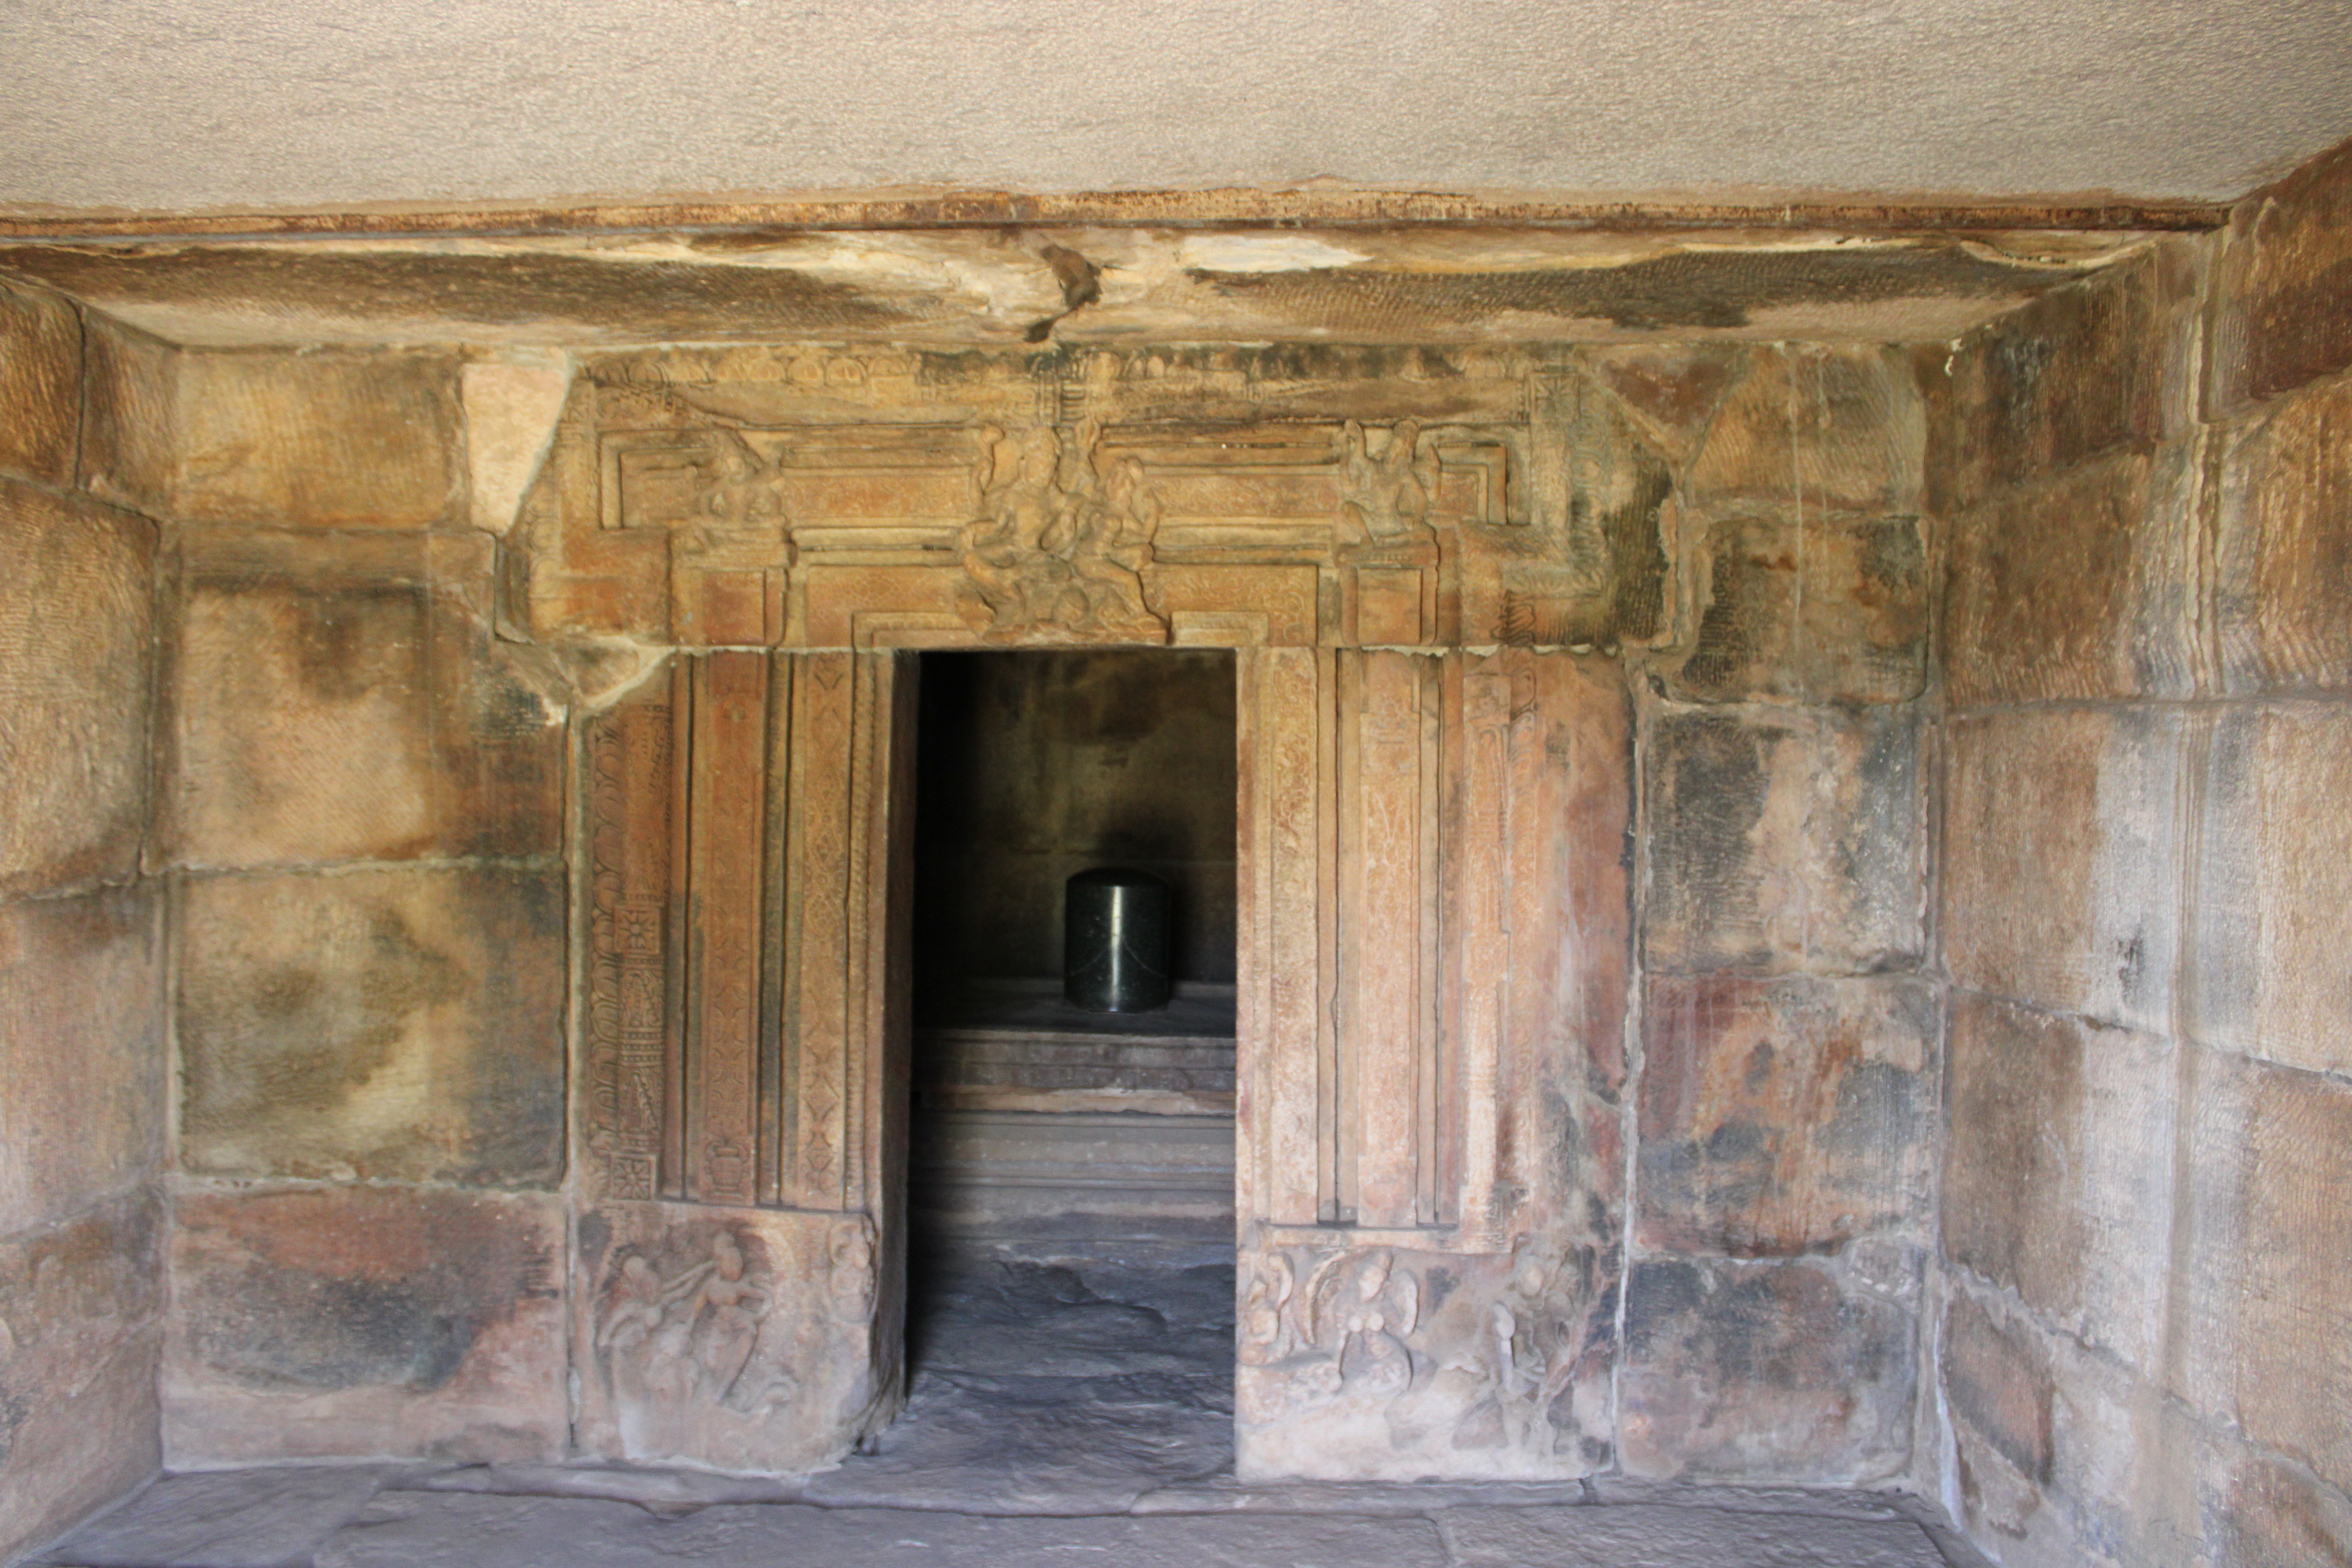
<point x="194" y="104"/>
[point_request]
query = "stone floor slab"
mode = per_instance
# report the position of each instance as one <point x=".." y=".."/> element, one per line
<point x="447" y="1529"/>
<point x="1656" y="1535"/>
<point x="270" y="1516"/>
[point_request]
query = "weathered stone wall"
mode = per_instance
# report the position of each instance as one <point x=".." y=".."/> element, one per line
<point x="360" y="809"/>
<point x="81" y="956"/>
<point x="363" y="807"/>
<point x="2145" y="875"/>
<point x="1785" y="1088"/>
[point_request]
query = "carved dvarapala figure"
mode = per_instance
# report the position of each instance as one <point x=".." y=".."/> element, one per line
<point x="1060" y="539"/>
<point x="1385" y="495"/>
<point x="1428" y="1356"/>
<point x="672" y="1342"/>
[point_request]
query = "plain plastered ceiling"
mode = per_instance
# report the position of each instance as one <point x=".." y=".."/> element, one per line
<point x="193" y="104"/>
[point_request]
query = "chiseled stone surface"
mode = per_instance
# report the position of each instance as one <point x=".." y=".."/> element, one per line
<point x="2069" y="1458"/>
<point x="2083" y="369"/>
<point x="2266" y="1342"/>
<point x="1784" y="840"/>
<point x="2284" y="534"/>
<point x="1756" y="1371"/>
<point x="1819" y="430"/>
<point x="130" y="437"/>
<point x="2058" y="1170"/>
<point x="2082" y="584"/>
<point x="400" y="1025"/>
<point x="277" y="438"/>
<point x="347" y="700"/>
<point x="365" y="1322"/>
<point x="1784" y="1117"/>
<point x="1809" y="610"/>
<point x="2059" y="844"/>
<point x="2273" y="912"/>
<point x="40" y="385"/>
<point x="76" y="672"/>
<point x="81" y="1051"/>
<point x="1671" y="390"/>
<point x="80" y="1302"/>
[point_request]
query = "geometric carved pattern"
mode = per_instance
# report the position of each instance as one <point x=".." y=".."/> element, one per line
<point x="740" y="1002"/>
<point x="1424" y="839"/>
<point x="629" y="1003"/>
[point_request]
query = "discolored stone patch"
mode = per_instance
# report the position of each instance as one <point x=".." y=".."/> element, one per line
<point x="2273" y="908"/>
<point x="2083" y="369"/>
<point x="2059" y="840"/>
<point x="1784" y="840"/>
<point x="360" y="1321"/>
<point x="40" y="385"/>
<point x="1809" y="611"/>
<point x="78" y="1403"/>
<point x="2275" y="1514"/>
<point x="1672" y="390"/>
<point x="82" y="1052"/>
<point x="1818" y="429"/>
<point x="1998" y="1382"/>
<point x="350" y="700"/>
<point x="2286" y="284"/>
<point x="2058" y="1170"/>
<point x="2080" y="585"/>
<point x="400" y="1025"/>
<point x="1786" y="1116"/>
<point x="76" y="673"/>
<point x="1763" y="1372"/>
<point x="277" y="438"/>
<point x="1684" y="291"/>
<point x="2283" y="546"/>
<point x="2266" y="1277"/>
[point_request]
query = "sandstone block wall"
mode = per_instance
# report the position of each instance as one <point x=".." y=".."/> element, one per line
<point x="2145" y="874"/>
<point x="359" y="810"/>
<point x="83" y="1134"/>
<point x="1786" y="1081"/>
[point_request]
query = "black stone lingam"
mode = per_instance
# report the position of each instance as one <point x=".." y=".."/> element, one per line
<point x="1115" y="940"/>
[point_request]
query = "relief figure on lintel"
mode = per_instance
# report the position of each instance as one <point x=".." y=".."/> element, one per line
<point x="1386" y="496"/>
<point x="1059" y="539"/>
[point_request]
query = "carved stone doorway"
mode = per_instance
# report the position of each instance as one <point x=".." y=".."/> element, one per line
<point x="1430" y="929"/>
<point x="1422" y="573"/>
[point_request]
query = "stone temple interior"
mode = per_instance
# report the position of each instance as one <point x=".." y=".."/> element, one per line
<point x="1758" y="812"/>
